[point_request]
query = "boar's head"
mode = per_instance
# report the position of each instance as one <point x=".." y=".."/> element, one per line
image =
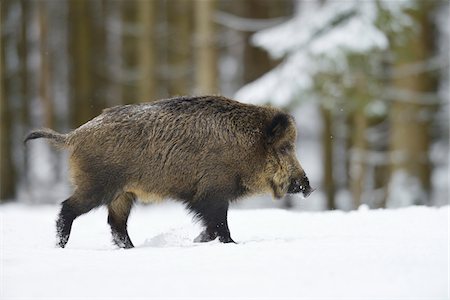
<point x="283" y="171"/>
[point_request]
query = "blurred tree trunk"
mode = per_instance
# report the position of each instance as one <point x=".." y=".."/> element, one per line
<point x="129" y="46"/>
<point x="98" y="57"/>
<point x="327" y="144"/>
<point x="7" y="168"/>
<point x="358" y="164"/>
<point x="24" y="102"/>
<point x="45" y="69"/>
<point x="359" y="146"/>
<point x="411" y="116"/>
<point x="206" y="52"/>
<point x="146" y="53"/>
<point x="179" y="46"/>
<point x="381" y="166"/>
<point x="256" y="60"/>
<point x="113" y="53"/>
<point x="87" y="50"/>
<point x="80" y="47"/>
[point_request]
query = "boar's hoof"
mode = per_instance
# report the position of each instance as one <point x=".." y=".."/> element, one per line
<point x="128" y="246"/>
<point x="226" y="240"/>
<point x="61" y="243"/>
<point x="205" y="237"/>
<point x="124" y="243"/>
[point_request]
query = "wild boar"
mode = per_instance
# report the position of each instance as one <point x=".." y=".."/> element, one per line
<point x="203" y="151"/>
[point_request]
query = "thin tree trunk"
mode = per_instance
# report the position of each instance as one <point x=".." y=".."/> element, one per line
<point x="327" y="144"/>
<point x="113" y="56"/>
<point x="44" y="78"/>
<point x="146" y="51"/>
<point x="7" y="168"/>
<point x="206" y="52"/>
<point x="358" y="165"/>
<point x="129" y="44"/>
<point x="80" y="51"/>
<point x="98" y="54"/>
<point x="359" y="146"/>
<point x="179" y="47"/>
<point x="256" y="61"/>
<point x="24" y="103"/>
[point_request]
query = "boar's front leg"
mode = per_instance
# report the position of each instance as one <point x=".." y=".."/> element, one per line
<point x="213" y="214"/>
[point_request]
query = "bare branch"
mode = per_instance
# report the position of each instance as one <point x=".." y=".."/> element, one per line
<point x="402" y="95"/>
<point x="428" y="65"/>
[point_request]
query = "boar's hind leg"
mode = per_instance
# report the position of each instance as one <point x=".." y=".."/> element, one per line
<point x="118" y="212"/>
<point x="213" y="214"/>
<point x="78" y="204"/>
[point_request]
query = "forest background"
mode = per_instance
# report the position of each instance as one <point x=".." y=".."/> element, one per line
<point x="367" y="81"/>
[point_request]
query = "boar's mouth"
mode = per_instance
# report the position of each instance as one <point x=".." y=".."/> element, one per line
<point x="300" y="186"/>
<point x="307" y="191"/>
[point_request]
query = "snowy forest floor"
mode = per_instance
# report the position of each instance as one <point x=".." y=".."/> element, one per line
<point x="364" y="254"/>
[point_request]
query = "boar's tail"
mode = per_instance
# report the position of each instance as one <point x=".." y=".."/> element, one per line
<point x="56" y="138"/>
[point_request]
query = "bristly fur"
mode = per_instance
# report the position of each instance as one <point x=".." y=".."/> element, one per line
<point x="203" y="151"/>
<point x="277" y="127"/>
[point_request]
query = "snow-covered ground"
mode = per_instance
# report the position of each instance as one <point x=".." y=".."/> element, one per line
<point x="380" y="254"/>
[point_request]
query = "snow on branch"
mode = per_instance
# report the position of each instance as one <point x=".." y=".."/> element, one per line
<point x="319" y="39"/>
<point x="245" y="24"/>
<point x="348" y="24"/>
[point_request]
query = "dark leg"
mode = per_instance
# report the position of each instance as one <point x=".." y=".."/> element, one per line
<point x="118" y="212"/>
<point x="81" y="202"/>
<point x="64" y="222"/>
<point x="71" y="209"/>
<point x="213" y="214"/>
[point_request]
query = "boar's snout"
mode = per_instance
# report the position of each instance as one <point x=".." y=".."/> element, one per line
<point x="301" y="184"/>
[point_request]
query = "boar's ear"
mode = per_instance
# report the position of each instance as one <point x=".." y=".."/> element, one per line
<point x="277" y="127"/>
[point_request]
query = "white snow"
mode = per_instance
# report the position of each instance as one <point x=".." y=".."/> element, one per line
<point x="404" y="190"/>
<point x="364" y="254"/>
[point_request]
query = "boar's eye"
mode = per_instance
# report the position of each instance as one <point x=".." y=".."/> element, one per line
<point x="286" y="149"/>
